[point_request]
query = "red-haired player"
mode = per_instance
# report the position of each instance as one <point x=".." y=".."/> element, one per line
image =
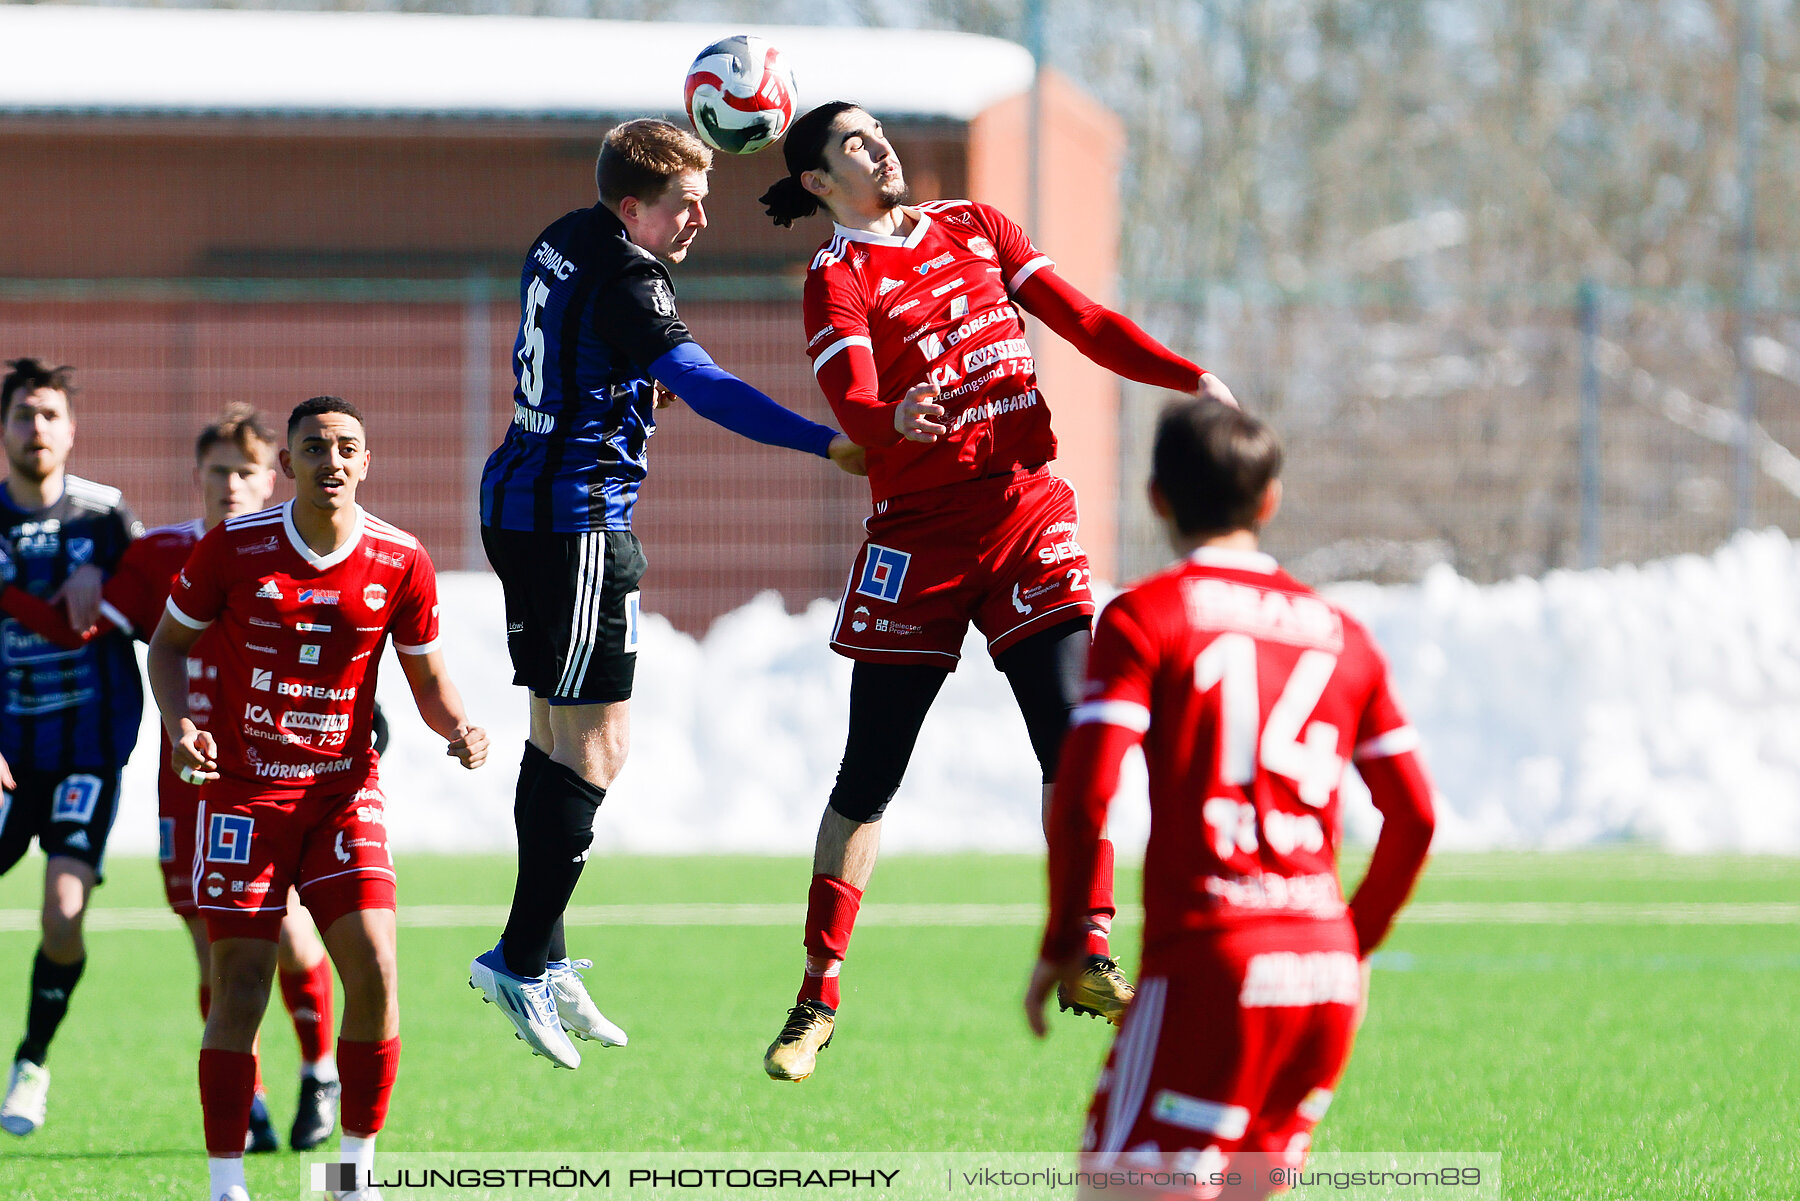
<point x="1250" y="695"/>
<point x="235" y="472"/>
<point x="916" y="343"/>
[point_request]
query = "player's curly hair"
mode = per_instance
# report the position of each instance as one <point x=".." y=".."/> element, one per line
<point x="239" y="425"/>
<point x="787" y="199"/>
<point x="641" y="158"/>
<point x="29" y="375"/>
<point x="1213" y="463"/>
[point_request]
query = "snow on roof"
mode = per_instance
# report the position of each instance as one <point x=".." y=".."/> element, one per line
<point x="229" y="62"/>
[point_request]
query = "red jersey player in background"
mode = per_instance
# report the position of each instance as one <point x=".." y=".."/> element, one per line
<point x="235" y="473"/>
<point x="916" y="343"/>
<point x="1250" y="695"/>
<point x="304" y="597"/>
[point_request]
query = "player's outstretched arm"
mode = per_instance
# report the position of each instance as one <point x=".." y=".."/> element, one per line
<point x="80" y="596"/>
<point x="721" y="397"/>
<point x="45" y="619"/>
<point x="441" y="705"/>
<point x="192" y="752"/>
<point x="1113" y="340"/>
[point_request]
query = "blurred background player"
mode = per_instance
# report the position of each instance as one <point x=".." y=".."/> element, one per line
<point x="1250" y="695"/>
<point x="915" y="341"/>
<point x="304" y="596"/>
<point x="598" y="337"/>
<point x="235" y="473"/>
<point x="68" y="717"/>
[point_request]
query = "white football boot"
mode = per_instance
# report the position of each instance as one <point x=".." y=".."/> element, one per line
<point x="527" y="1004"/>
<point x="579" y="1015"/>
<point x="27" y="1098"/>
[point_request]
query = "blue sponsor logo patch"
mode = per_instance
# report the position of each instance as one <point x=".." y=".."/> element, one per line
<point x="884" y="572"/>
<point x="228" y="838"/>
<point x="165" y="839"/>
<point x="75" y="799"/>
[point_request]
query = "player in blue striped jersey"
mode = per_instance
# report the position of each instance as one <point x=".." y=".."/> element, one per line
<point x="68" y="718"/>
<point x="598" y="337"/>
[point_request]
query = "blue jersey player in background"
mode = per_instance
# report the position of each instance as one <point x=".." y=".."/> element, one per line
<point x="68" y="718"/>
<point x="598" y="338"/>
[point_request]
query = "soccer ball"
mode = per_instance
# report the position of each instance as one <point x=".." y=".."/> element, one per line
<point x="740" y="94"/>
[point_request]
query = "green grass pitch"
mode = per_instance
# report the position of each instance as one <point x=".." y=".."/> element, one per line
<point x="1635" y="1057"/>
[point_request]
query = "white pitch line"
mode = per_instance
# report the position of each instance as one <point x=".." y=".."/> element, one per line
<point x="1431" y="913"/>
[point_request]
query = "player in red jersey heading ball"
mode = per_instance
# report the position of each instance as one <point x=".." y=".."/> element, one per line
<point x="915" y="340"/>
<point x="304" y="597"/>
<point x="1250" y="695"/>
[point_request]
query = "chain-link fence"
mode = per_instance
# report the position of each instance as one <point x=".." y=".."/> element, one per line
<point x="1456" y="434"/>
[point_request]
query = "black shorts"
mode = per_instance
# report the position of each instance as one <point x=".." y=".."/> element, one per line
<point x="69" y="813"/>
<point x="571" y="610"/>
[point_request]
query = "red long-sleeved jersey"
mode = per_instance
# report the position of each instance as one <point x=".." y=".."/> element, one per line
<point x="1250" y="694"/>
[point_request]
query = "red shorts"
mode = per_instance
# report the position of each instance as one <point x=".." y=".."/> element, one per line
<point x="176" y="807"/>
<point x="1000" y="552"/>
<point x="331" y="843"/>
<point x="1230" y="1061"/>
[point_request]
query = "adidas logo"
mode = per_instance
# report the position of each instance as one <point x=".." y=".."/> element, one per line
<point x="886" y="286"/>
<point x="269" y="590"/>
<point x="53" y="994"/>
<point x="79" y="841"/>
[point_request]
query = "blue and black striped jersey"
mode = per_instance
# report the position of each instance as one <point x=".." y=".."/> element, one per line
<point x="597" y="311"/>
<point x="63" y="709"/>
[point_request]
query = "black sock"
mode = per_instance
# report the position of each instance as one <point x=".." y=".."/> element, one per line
<point x="555" y="825"/>
<point x="52" y="984"/>
<point x="528" y="773"/>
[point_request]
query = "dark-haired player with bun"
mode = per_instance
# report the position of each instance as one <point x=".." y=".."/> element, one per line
<point x="297" y="603"/>
<point x="1250" y="695"/>
<point x="599" y="340"/>
<point x="915" y="335"/>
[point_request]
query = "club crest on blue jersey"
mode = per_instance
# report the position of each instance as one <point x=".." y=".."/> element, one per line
<point x="228" y="838"/>
<point x="884" y="572"/>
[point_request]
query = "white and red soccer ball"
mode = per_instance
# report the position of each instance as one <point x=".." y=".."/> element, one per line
<point x="740" y="94"/>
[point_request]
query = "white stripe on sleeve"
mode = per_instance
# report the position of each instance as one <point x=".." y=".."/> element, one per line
<point x="1127" y="714"/>
<point x="183" y="618"/>
<point x="1027" y="271"/>
<point x="117" y="618"/>
<point x="840" y="344"/>
<point x="1396" y="741"/>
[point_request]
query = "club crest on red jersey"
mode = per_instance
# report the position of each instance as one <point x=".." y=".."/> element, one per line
<point x="375" y="596"/>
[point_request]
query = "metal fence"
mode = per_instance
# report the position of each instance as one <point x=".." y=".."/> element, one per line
<point x="1458" y="433"/>
<point x="722" y="518"/>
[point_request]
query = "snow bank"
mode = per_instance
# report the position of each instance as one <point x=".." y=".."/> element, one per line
<point x="1656" y="704"/>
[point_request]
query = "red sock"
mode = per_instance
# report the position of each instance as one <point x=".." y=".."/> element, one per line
<point x="367" y="1071"/>
<point x="308" y="998"/>
<point x="1100" y="899"/>
<point x="831" y="906"/>
<point x="227" y="1082"/>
